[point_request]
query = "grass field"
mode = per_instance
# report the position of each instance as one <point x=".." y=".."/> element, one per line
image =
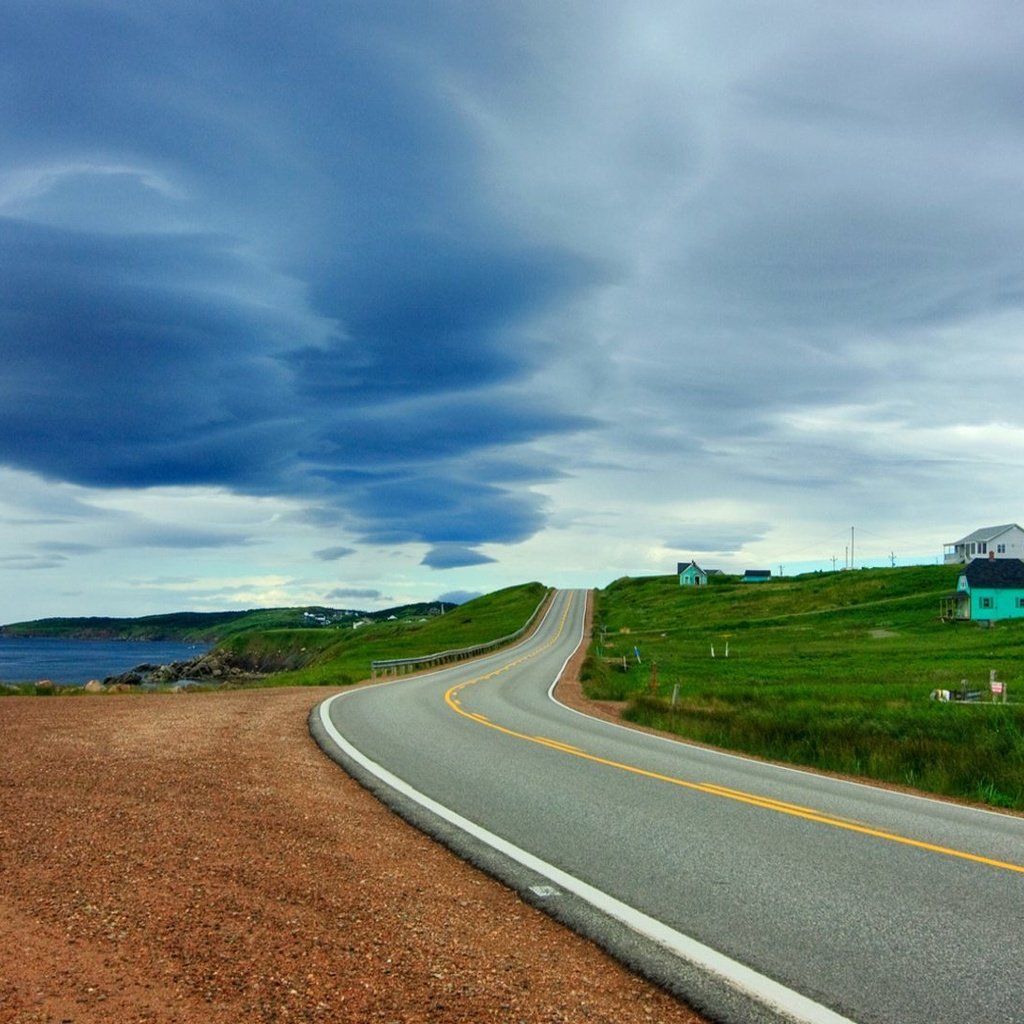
<point x="830" y="670"/>
<point x="339" y="657"/>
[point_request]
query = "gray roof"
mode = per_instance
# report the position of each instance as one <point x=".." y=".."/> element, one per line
<point x="985" y="533"/>
<point x="681" y="567"/>
<point x="995" y="573"/>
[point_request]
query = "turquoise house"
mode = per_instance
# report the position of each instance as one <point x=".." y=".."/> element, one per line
<point x="988" y="589"/>
<point x="691" y="575"/>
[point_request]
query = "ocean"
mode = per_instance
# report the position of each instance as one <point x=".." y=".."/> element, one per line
<point x="75" y="662"/>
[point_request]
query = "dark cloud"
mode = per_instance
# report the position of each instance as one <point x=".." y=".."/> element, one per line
<point x="458" y="596"/>
<point x="32" y="561"/>
<point x="332" y="554"/>
<point x="158" y="536"/>
<point x="424" y="272"/>
<point x="715" y="541"/>
<point x="208" y="279"/>
<point x="453" y="556"/>
<point x="356" y="593"/>
<point x="439" y="509"/>
<point x="57" y="547"/>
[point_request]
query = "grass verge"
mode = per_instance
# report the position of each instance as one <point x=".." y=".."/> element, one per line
<point x="831" y="671"/>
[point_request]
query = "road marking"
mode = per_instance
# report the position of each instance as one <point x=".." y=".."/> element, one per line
<point x="557" y="744"/>
<point x="544" y="891"/>
<point x="790" y="1004"/>
<point x="709" y="788"/>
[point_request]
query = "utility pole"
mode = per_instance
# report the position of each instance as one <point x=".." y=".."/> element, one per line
<point x="892" y="559"/>
<point x="834" y="560"/>
<point x="780" y="570"/>
<point x="851" y="548"/>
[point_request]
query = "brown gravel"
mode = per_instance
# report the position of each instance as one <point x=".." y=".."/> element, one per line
<point x="195" y="858"/>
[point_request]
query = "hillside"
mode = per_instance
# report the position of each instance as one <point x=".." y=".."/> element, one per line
<point x="212" y="627"/>
<point x="306" y="657"/>
<point x="832" y="670"/>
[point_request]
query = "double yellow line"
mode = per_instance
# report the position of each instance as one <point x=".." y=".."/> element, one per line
<point x="452" y="699"/>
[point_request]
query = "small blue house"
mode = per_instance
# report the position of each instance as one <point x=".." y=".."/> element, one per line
<point x="988" y="589"/>
<point x="691" y="575"/>
<point x="757" y="575"/>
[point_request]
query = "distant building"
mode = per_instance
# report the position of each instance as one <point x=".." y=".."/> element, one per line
<point x="757" y="575"/>
<point x="988" y="589"/>
<point x="691" y="575"/>
<point x="988" y="542"/>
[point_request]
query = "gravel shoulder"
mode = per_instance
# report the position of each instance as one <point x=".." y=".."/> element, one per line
<point x="194" y="857"/>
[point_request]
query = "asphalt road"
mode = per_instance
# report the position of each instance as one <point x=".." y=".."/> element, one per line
<point x="756" y="892"/>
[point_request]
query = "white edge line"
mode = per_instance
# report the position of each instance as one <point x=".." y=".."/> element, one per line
<point x="761" y="988"/>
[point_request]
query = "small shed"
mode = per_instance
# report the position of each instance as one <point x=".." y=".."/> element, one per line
<point x="987" y="590"/>
<point x="691" y="575"/>
<point x="757" y="575"/>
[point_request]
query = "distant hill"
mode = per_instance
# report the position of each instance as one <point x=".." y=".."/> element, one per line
<point x="213" y="627"/>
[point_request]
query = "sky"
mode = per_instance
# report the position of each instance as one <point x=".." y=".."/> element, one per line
<point x="359" y="303"/>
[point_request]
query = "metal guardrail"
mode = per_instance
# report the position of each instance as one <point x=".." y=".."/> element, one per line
<point x="400" y="666"/>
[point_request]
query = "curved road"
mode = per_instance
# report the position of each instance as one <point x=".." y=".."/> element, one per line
<point x="754" y="891"/>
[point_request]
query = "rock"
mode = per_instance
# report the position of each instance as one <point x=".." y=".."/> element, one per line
<point x="94" y="686"/>
<point x="213" y="667"/>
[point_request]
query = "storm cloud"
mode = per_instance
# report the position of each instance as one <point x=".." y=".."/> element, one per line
<point x="541" y="292"/>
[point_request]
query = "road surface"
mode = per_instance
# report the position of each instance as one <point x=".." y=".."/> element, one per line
<point x="754" y="891"/>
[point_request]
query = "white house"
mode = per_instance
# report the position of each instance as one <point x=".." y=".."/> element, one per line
<point x="989" y="542"/>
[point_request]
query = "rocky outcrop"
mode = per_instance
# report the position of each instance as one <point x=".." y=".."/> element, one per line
<point x="213" y="668"/>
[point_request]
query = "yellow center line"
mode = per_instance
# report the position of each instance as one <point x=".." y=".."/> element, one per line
<point x="557" y="744"/>
<point x="709" y="788"/>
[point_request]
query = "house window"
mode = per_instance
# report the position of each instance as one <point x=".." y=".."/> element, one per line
<point x="1000" y="549"/>
<point x="985" y="602"/>
<point x="1020" y="602"/>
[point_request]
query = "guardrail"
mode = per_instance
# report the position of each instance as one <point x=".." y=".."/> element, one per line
<point x="400" y="666"/>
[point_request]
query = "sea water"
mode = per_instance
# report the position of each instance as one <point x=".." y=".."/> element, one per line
<point x="75" y="662"/>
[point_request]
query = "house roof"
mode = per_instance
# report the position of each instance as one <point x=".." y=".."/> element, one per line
<point x="986" y="533"/>
<point x="995" y="573"/>
<point x="758" y="572"/>
<point x="681" y="567"/>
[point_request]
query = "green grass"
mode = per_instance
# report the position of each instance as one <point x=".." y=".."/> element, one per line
<point x="341" y="656"/>
<point x="830" y="670"/>
<point x="209" y="627"/>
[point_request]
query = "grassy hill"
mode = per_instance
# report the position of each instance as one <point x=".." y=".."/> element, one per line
<point x="831" y="670"/>
<point x="210" y="627"/>
<point x="331" y="657"/>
